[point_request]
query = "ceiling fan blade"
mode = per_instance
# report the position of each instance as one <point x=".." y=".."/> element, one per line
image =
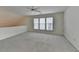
<point x="35" y="7"/>
<point x="38" y="11"/>
<point x="29" y="7"/>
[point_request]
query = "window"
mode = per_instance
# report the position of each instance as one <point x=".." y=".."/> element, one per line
<point x="49" y="23"/>
<point x="36" y="25"/>
<point x="43" y="23"/>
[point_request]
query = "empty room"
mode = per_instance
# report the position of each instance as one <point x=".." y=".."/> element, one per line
<point x="39" y="29"/>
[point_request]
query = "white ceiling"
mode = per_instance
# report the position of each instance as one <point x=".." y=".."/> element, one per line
<point x="22" y="10"/>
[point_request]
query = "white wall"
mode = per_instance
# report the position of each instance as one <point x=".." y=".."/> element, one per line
<point x="71" y="25"/>
<point x="6" y="32"/>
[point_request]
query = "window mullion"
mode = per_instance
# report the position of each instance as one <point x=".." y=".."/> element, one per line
<point x="45" y="23"/>
<point x="39" y="23"/>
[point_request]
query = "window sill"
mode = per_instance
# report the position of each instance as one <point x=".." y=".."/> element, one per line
<point x="43" y="30"/>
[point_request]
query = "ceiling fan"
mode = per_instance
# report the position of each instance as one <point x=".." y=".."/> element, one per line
<point x="33" y="9"/>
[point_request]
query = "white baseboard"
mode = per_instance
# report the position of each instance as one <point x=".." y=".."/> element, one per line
<point x="71" y="42"/>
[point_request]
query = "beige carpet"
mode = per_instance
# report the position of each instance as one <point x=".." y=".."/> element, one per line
<point x="36" y="42"/>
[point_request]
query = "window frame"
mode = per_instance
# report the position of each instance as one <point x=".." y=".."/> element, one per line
<point x="45" y="25"/>
<point x="52" y="24"/>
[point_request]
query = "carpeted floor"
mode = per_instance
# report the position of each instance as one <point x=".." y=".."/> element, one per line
<point x="36" y="42"/>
